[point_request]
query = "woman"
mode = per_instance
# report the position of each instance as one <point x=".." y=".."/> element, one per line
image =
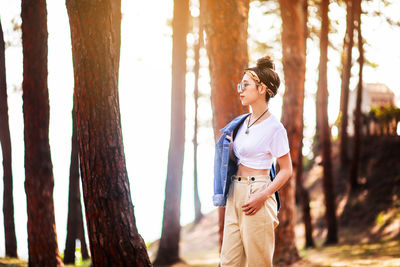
<point x="254" y="139"/>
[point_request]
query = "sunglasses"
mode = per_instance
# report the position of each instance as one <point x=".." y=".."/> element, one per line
<point x="242" y="86"/>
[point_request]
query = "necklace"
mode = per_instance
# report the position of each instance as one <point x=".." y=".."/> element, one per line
<point x="248" y="126"/>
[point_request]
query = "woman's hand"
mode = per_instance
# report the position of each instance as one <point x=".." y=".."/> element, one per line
<point x="255" y="202"/>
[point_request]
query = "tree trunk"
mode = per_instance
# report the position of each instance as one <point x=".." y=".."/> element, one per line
<point x="225" y="23"/>
<point x="293" y="59"/>
<point x="75" y="228"/>
<point x="95" y="35"/>
<point x="357" y="122"/>
<point x="197" y="203"/>
<point x="39" y="181"/>
<point x="325" y="135"/>
<point x="348" y="43"/>
<point x="168" y="251"/>
<point x="8" y="202"/>
<point x="302" y="195"/>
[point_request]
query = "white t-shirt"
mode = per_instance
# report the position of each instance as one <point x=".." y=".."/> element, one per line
<point x="265" y="141"/>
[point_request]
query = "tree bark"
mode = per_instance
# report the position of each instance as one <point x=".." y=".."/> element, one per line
<point x="95" y="35"/>
<point x="302" y="194"/>
<point x="293" y="59"/>
<point x="348" y="44"/>
<point x="325" y="135"/>
<point x="168" y="251"/>
<point x="197" y="204"/>
<point x="75" y="228"/>
<point x="39" y="181"/>
<point x="5" y="140"/>
<point x="357" y="122"/>
<point x="225" y="24"/>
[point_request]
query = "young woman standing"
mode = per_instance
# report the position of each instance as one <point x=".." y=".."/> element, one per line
<point x="251" y="205"/>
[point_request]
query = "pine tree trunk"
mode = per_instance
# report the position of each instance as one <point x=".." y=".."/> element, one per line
<point x="225" y="24"/>
<point x="39" y="181"/>
<point x="75" y="228"/>
<point x="95" y="35"/>
<point x="357" y="122"/>
<point x="302" y="196"/>
<point x="5" y="140"/>
<point x="325" y="135"/>
<point x="197" y="204"/>
<point x="348" y="43"/>
<point x="293" y="47"/>
<point x="168" y="251"/>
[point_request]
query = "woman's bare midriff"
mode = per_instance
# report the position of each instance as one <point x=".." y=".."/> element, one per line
<point x="246" y="171"/>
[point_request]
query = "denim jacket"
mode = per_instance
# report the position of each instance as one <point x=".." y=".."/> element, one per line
<point x="224" y="167"/>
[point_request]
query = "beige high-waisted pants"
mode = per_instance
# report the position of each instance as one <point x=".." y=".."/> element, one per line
<point x="248" y="240"/>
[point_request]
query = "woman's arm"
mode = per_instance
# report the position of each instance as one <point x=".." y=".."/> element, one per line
<point x="285" y="172"/>
<point x="257" y="200"/>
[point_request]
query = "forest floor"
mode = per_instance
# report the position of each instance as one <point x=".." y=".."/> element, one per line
<point x="368" y="220"/>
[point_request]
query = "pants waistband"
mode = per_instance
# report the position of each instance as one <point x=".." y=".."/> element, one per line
<point x="251" y="178"/>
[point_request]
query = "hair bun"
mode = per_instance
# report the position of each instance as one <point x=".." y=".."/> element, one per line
<point x="265" y="62"/>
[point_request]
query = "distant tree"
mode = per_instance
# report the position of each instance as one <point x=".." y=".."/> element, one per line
<point x="5" y="140"/>
<point x="324" y="129"/>
<point x="357" y="121"/>
<point x="225" y="24"/>
<point x="199" y="42"/>
<point x="302" y="193"/>
<point x="168" y="251"/>
<point x="75" y="229"/>
<point x="348" y="44"/>
<point x="96" y="37"/>
<point x="39" y="181"/>
<point x="293" y="60"/>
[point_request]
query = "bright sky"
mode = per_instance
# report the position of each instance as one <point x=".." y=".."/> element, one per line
<point x="145" y="87"/>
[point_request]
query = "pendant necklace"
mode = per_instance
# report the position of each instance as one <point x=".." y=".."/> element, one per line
<point x="248" y="126"/>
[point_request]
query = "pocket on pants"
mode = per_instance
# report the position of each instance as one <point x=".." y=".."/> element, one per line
<point x="272" y="205"/>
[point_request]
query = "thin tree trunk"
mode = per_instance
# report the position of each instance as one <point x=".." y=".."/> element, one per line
<point x="5" y="140"/>
<point x="168" y="251"/>
<point x="225" y="24"/>
<point x="95" y="35"/>
<point x="348" y="44"/>
<point x="301" y="193"/>
<point x="75" y="228"/>
<point x="293" y="59"/>
<point x="39" y="181"/>
<point x="325" y="136"/>
<point x="197" y="204"/>
<point x="299" y="182"/>
<point x="357" y="122"/>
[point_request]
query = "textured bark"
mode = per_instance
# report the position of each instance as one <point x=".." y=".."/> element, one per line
<point x="5" y="140"/>
<point x="325" y="135"/>
<point x="39" y="181"/>
<point x="293" y="47"/>
<point x="348" y="43"/>
<point x="225" y="24"/>
<point x="168" y="251"/>
<point x="301" y="193"/>
<point x="95" y="35"/>
<point x="197" y="204"/>
<point x="305" y="204"/>
<point x="357" y="122"/>
<point x="75" y="228"/>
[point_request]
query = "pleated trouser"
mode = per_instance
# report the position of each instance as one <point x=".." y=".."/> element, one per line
<point x="248" y="240"/>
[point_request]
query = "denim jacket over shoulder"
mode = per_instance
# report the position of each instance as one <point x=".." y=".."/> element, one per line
<point x="224" y="167"/>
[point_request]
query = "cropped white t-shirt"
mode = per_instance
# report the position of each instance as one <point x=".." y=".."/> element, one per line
<point x="265" y="141"/>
